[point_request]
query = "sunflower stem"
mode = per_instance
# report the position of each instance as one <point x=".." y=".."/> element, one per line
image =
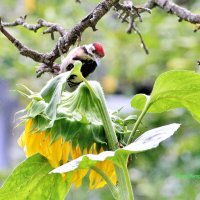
<point x="124" y="185"/>
<point x="101" y="105"/>
<point x="137" y="123"/>
<point x="128" y="182"/>
<point x="123" y="191"/>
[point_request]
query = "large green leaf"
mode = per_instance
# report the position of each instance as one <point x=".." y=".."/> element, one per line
<point x="173" y="89"/>
<point x="30" y="180"/>
<point x="146" y="141"/>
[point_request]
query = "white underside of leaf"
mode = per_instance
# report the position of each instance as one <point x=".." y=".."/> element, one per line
<point x="74" y="164"/>
<point x="152" y="138"/>
<point x="146" y="141"/>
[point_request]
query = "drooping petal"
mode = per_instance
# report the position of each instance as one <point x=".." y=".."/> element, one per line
<point x="59" y="153"/>
<point x="96" y="181"/>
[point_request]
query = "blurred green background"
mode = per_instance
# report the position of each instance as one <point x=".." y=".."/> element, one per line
<point x="124" y="71"/>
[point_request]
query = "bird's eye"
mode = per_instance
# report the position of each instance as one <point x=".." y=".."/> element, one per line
<point x="93" y="51"/>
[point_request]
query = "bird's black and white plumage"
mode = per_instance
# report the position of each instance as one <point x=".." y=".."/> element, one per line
<point x="89" y="55"/>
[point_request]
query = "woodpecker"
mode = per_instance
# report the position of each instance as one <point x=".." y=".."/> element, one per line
<point x="89" y="55"/>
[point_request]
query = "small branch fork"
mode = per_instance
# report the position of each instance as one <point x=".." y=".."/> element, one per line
<point x="127" y="12"/>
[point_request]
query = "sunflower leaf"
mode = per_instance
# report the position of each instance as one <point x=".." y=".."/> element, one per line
<point x="30" y="180"/>
<point x="146" y="141"/>
<point x="173" y="89"/>
<point x="131" y="119"/>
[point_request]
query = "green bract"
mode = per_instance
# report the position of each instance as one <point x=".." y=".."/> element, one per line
<point x="71" y="115"/>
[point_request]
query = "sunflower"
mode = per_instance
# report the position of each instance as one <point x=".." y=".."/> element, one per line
<point x="60" y="152"/>
<point x="63" y="126"/>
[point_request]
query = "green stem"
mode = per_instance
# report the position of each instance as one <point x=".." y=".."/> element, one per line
<point x="109" y="130"/>
<point x="111" y="186"/>
<point x="123" y="191"/>
<point x="137" y="123"/>
<point x="125" y="187"/>
<point x="100" y="103"/>
<point x="128" y="182"/>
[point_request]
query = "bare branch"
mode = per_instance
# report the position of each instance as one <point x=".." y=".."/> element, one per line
<point x="23" y="50"/>
<point x="45" y="68"/>
<point x="68" y="38"/>
<point x="127" y="13"/>
<point x="52" y="27"/>
<point x="172" y="8"/>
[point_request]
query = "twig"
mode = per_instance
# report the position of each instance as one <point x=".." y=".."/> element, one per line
<point x="128" y="13"/>
<point x="143" y="45"/>
<point x="23" y="50"/>
<point x="131" y="10"/>
<point x="197" y="27"/>
<point x="52" y="27"/>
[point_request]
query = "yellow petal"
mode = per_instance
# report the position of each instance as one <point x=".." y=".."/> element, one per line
<point x="96" y="181"/>
<point x="59" y="153"/>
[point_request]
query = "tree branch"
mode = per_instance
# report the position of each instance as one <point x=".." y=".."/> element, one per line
<point x="25" y="51"/>
<point x="67" y="38"/>
<point x="52" y="27"/>
<point x="127" y="13"/>
<point x="172" y="8"/>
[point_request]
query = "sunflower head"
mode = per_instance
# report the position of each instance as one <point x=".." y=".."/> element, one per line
<point x="76" y="129"/>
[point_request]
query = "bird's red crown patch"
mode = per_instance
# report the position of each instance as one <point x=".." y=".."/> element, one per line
<point x="99" y="49"/>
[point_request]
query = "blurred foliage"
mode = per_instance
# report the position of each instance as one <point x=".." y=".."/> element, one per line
<point x="172" y="45"/>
